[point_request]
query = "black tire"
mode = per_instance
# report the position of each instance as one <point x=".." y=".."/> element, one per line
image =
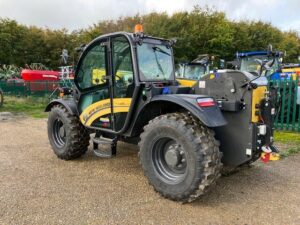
<point x="175" y="178"/>
<point x="1" y="98"/>
<point x="68" y="137"/>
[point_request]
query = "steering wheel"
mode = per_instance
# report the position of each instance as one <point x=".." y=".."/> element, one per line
<point x="119" y="82"/>
<point x="119" y="78"/>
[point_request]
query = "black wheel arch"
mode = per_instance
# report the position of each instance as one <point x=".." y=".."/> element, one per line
<point x="162" y="104"/>
<point x="69" y="104"/>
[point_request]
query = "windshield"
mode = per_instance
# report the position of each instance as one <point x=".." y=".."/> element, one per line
<point x="250" y="65"/>
<point x="155" y="62"/>
<point x="194" y="71"/>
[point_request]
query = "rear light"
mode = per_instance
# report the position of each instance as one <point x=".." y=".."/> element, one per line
<point x="206" y="102"/>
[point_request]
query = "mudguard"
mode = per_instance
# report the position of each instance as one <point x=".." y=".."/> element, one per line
<point x="69" y="104"/>
<point x="209" y="116"/>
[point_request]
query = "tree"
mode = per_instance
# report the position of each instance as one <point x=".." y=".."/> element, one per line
<point x="200" y="31"/>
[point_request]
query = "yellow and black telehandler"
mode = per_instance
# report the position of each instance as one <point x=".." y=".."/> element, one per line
<point x="126" y="90"/>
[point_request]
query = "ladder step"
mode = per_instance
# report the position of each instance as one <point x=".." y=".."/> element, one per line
<point x="110" y="143"/>
<point x="103" y="154"/>
<point x="103" y="140"/>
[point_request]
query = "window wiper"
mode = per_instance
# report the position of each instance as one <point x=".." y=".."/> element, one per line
<point x="158" y="63"/>
<point x="158" y="49"/>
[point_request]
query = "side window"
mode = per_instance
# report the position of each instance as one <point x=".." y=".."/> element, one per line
<point x="93" y="68"/>
<point x="122" y="68"/>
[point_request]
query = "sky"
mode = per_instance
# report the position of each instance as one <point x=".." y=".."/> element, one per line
<point x="76" y="14"/>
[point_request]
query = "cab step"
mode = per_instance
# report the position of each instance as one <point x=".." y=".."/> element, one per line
<point x="104" y="147"/>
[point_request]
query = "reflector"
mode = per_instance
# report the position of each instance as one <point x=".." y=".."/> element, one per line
<point x="206" y="102"/>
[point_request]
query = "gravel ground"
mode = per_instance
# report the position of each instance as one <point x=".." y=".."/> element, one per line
<point x="38" y="188"/>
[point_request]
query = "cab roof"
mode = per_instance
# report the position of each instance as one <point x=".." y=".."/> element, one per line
<point x="246" y="54"/>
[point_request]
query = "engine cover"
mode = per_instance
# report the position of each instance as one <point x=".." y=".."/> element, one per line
<point x="241" y="105"/>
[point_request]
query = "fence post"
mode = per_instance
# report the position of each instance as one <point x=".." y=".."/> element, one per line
<point x="29" y="88"/>
<point x="295" y="85"/>
<point x="299" y="119"/>
<point x="14" y="85"/>
<point x="288" y="113"/>
<point x="47" y="83"/>
<point x="283" y="104"/>
<point x="278" y="85"/>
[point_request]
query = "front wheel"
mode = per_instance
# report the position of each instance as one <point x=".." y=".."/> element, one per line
<point x="68" y="137"/>
<point x="180" y="156"/>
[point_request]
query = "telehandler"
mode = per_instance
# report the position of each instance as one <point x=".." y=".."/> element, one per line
<point x="182" y="132"/>
<point x="187" y="74"/>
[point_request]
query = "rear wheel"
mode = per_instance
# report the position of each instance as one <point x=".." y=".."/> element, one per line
<point x="180" y="157"/>
<point x="68" y="137"/>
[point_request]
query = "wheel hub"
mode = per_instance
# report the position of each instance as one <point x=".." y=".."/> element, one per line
<point x="169" y="160"/>
<point x="62" y="132"/>
<point x="172" y="156"/>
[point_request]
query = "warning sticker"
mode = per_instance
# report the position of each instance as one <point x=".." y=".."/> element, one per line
<point x="202" y="84"/>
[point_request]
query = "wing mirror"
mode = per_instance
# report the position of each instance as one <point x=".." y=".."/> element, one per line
<point x="80" y="48"/>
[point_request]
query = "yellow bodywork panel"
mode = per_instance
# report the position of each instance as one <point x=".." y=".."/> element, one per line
<point x="294" y="72"/>
<point x="186" y="82"/>
<point x="257" y="95"/>
<point x="103" y="107"/>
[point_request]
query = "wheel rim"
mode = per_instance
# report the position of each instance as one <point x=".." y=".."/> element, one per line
<point x="169" y="160"/>
<point x="59" y="133"/>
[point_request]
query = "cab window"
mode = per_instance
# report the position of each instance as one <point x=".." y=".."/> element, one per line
<point x="155" y="62"/>
<point x="122" y="68"/>
<point x="93" y="68"/>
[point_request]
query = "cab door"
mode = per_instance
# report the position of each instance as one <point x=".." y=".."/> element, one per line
<point x="93" y="78"/>
<point x="105" y="78"/>
<point x="123" y="80"/>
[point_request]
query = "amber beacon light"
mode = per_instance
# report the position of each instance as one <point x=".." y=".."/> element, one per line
<point x="138" y="28"/>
